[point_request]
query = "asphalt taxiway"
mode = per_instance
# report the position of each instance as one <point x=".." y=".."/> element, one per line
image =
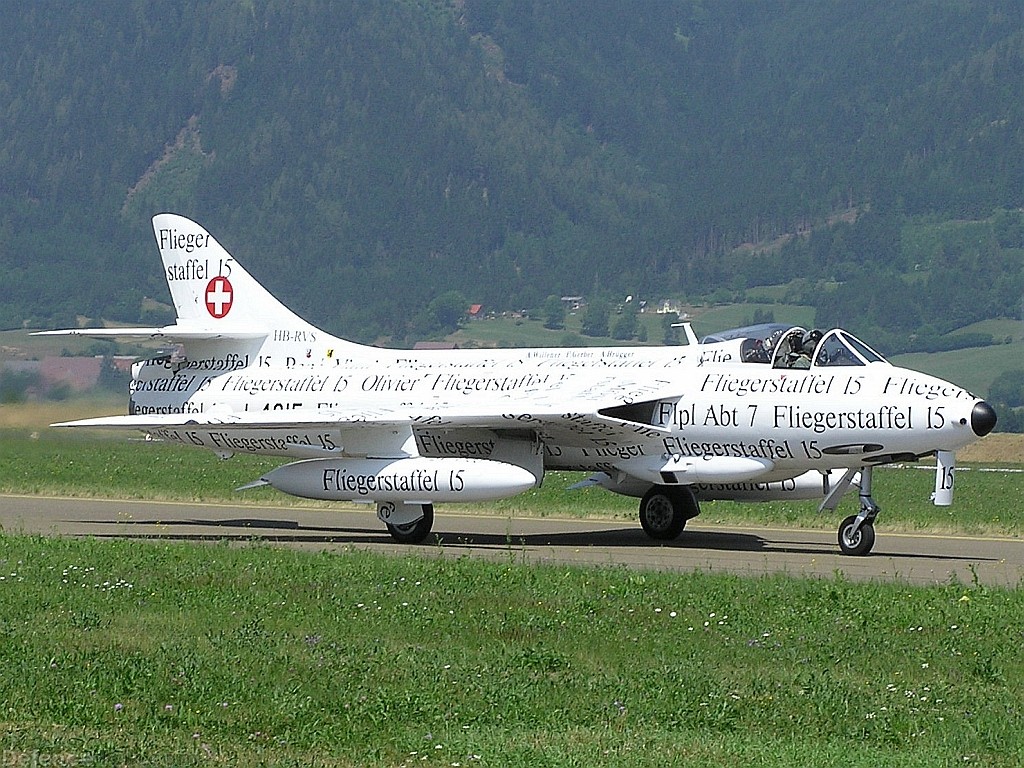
<point x="913" y="558"/>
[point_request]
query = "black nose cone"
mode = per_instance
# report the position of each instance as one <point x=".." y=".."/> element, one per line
<point x="983" y="418"/>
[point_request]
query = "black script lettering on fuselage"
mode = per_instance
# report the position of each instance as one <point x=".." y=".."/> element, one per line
<point x="929" y="390"/>
<point x="765" y="448"/>
<point x="254" y="385"/>
<point x="172" y="384"/>
<point x="808" y="384"/>
<point x="231" y="361"/>
<point x="885" y="417"/>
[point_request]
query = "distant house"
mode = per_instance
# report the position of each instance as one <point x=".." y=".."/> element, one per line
<point x="123" y="363"/>
<point x="476" y="311"/>
<point x="79" y="373"/>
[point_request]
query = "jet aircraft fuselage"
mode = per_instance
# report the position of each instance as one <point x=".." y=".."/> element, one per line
<point x="753" y="415"/>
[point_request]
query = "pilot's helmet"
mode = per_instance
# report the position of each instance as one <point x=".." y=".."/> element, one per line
<point x="810" y="341"/>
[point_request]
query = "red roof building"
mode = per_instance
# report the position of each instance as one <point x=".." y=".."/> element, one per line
<point x="79" y="373"/>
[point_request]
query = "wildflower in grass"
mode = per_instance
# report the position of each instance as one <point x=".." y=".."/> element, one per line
<point x="118" y="707"/>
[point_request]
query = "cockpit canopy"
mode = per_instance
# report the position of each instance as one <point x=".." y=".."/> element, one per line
<point x="794" y="347"/>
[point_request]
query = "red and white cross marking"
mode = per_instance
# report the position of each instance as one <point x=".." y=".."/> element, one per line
<point x="218" y="297"/>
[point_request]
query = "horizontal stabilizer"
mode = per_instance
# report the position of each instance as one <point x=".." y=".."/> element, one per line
<point x="168" y="333"/>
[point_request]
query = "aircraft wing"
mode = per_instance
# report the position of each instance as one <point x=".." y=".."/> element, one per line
<point x="565" y="411"/>
<point x="227" y="420"/>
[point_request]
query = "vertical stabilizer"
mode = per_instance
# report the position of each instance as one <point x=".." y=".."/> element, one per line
<point x="209" y="288"/>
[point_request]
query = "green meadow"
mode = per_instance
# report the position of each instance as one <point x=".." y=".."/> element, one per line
<point x="161" y="654"/>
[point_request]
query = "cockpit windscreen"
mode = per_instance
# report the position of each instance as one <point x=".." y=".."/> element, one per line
<point x="798" y="348"/>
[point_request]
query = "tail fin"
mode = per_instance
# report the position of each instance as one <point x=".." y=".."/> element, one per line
<point x="215" y="300"/>
<point x="209" y="288"/>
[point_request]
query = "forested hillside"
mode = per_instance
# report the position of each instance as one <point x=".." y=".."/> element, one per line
<point x="365" y="157"/>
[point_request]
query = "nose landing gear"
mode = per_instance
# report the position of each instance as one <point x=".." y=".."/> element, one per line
<point x="857" y="532"/>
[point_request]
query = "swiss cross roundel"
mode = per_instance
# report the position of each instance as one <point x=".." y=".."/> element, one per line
<point x="218" y="297"/>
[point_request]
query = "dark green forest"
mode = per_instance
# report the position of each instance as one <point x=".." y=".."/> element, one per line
<point x="364" y="158"/>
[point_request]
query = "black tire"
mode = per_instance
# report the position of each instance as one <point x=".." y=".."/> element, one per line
<point x="664" y="511"/>
<point x="414" y="533"/>
<point x="859" y="543"/>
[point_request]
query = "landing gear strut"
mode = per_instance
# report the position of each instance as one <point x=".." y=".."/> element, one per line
<point x="857" y="532"/>
<point x="664" y="511"/>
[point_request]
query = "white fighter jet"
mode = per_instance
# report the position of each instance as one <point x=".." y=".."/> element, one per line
<point x="762" y="413"/>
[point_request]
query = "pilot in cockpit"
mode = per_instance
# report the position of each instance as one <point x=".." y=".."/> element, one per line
<point x="799" y="349"/>
<point x="801" y="356"/>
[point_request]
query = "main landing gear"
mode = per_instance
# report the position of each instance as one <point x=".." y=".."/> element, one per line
<point x="665" y="509"/>
<point x="415" y="532"/>
<point x="857" y="532"/>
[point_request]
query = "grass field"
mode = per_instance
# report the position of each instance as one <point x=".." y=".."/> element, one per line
<point x="132" y="653"/>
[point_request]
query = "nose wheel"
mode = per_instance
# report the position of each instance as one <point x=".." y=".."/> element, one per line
<point x="856" y="538"/>
<point x="857" y="532"/>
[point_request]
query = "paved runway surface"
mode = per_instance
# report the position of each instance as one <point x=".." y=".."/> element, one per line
<point x="753" y="551"/>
